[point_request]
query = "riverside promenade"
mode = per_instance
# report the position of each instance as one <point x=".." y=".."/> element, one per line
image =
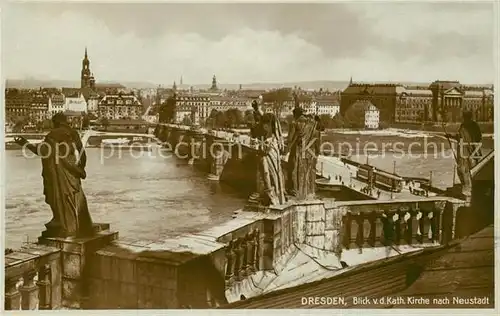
<point x="251" y="255"/>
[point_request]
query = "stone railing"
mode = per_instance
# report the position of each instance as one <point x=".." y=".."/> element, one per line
<point x="243" y="257"/>
<point x="335" y="227"/>
<point x="246" y="252"/>
<point x="33" y="278"/>
<point x="53" y="273"/>
<point x="367" y="224"/>
<point x="252" y="253"/>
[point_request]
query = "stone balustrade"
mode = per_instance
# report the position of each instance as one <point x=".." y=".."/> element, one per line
<point x="33" y="278"/>
<point x="243" y="257"/>
<point x="334" y="227"/>
<point x="398" y="223"/>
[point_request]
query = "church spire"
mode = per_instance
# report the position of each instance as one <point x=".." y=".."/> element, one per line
<point x="350" y="81"/>
<point x="85" y="74"/>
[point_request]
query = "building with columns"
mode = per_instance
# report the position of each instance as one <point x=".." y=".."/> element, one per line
<point x="439" y="101"/>
<point x="450" y="99"/>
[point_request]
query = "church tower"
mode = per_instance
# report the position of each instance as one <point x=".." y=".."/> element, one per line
<point x="92" y="82"/>
<point x="86" y="75"/>
<point x="214" y="84"/>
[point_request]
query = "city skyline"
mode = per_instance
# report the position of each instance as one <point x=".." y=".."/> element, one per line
<point x="250" y="43"/>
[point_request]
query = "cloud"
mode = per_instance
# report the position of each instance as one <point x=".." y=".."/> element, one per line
<point x="243" y="43"/>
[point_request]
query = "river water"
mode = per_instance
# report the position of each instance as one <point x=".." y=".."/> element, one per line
<point x="141" y="197"/>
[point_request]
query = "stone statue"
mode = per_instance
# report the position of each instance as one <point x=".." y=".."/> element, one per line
<point x="270" y="173"/>
<point x="303" y="146"/>
<point x="255" y="131"/>
<point x="468" y="152"/>
<point x="63" y="168"/>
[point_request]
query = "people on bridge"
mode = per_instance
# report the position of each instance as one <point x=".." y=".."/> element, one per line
<point x="63" y="167"/>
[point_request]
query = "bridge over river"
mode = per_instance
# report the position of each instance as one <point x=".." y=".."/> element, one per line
<point x="254" y="254"/>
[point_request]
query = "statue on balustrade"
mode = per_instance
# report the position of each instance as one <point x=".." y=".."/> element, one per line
<point x="271" y="184"/>
<point x="303" y="145"/>
<point x="468" y="151"/>
<point x="63" y="168"/>
<point x="257" y="115"/>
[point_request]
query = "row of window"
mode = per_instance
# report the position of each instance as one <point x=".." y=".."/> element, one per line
<point x="115" y="108"/>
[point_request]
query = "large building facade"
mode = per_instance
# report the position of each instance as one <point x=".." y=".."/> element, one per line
<point x="383" y="96"/>
<point x="17" y="104"/>
<point x="450" y="99"/>
<point x="120" y="106"/>
<point x="439" y="101"/>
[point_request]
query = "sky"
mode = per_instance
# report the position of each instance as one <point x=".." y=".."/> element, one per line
<point x="250" y="43"/>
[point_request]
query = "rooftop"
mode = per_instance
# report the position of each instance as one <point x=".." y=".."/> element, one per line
<point x="463" y="270"/>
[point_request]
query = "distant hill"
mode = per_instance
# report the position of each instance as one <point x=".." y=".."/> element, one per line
<point x="306" y="85"/>
<point x="316" y="85"/>
<point x="33" y="83"/>
<point x="36" y="83"/>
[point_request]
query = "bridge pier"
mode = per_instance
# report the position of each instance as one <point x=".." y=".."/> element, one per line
<point x="217" y="152"/>
<point x="196" y="143"/>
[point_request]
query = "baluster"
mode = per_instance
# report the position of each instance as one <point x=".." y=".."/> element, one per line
<point x="230" y="263"/>
<point x="28" y="291"/>
<point x="372" y="219"/>
<point x="44" y="287"/>
<point x="347" y="220"/>
<point x="256" y="254"/>
<point x="420" y="227"/>
<point x="250" y="253"/>
<point x="432" y="226"/>
<point x="360" y="239"/>
<point x="396" y="218"/>
<point x="408" y="231"/>
<point x="237" y="265"/>
<point x="12" y="295"/>
<point x="388" y="229"/>
<point x="437" y="225"/>
<point x="244" y="258"/>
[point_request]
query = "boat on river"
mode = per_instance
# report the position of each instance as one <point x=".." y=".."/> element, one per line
<point x="143" y="142"/>
<point x="10" y="144"/>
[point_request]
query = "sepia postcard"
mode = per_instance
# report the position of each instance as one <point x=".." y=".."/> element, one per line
<point x="227" y="156"/>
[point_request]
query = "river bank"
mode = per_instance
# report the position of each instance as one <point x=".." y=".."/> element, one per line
<point x="364" y="142"/>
